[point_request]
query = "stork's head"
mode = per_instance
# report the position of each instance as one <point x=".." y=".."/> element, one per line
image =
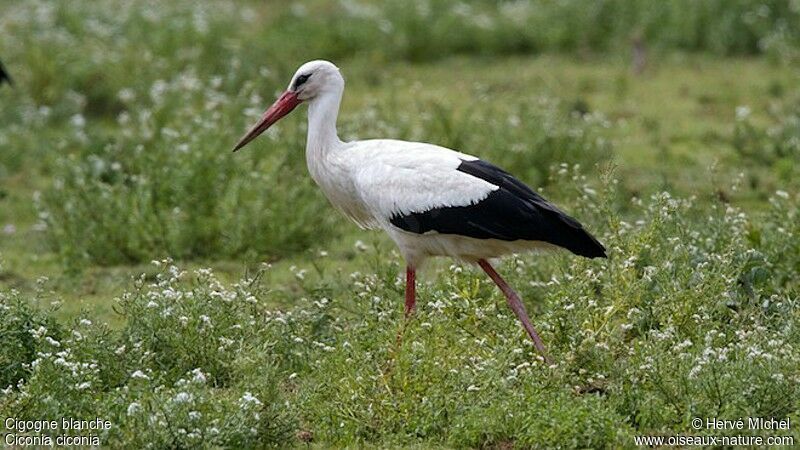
<point x="311" y="81"/>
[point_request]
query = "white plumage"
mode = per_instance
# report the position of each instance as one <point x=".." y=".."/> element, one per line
<point x="432" y="201"/>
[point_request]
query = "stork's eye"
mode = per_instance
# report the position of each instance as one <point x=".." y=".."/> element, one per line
<point x="300" y="80"/>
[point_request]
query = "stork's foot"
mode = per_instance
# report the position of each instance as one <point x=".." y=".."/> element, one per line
<point x="516" y="305"/>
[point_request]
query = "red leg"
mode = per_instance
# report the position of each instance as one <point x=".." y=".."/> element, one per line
<point x="410" y="303"/>
<point x="516" y="305"/>
<point x="411" y="290"/>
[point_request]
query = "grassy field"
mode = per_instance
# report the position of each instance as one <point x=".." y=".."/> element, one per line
<point x="195" y="297"/>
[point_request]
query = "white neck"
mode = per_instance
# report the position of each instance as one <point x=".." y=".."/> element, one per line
<point x="322" y="113"/>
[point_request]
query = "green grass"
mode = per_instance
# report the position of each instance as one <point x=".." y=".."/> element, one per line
<point x="116" y="151"/>
<point x="679" y="323"/>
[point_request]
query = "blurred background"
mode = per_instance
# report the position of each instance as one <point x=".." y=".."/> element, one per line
<point x="116" y="133"/>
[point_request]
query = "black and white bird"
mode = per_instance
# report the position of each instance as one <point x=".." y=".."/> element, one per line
<point x="432" y="201"/>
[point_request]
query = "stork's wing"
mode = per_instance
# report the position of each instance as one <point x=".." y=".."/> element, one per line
<point x="431" y="189"/>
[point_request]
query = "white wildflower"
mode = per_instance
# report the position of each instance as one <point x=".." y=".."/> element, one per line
<point x="39" y="332"/>
<point x="78" y="121"/>
<point x="198" y="376"/>
<point x="249" y="399"/>
<point x="133" y="408"/>
<point x="182" y="397"/>
<point x="742" y="112"/>
<point x="139" y="375"/>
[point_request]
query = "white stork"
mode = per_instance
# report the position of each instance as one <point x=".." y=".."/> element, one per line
<point x="432" y="201"/>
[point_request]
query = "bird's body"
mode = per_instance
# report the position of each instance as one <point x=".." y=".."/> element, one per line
<point x="432" y="201"/>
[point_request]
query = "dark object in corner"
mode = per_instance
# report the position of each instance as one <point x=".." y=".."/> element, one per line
<point x="4" y="76"/>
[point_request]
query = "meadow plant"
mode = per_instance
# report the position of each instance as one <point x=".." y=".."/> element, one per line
<point x="775" y="147"/>
<point x="422" y="30"/>
<point x="680" y="322"/>
<point x="171" y="377"/>
<point x="167" y="184"/>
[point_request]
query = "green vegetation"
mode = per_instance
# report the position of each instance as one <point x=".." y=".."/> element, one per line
<point x="116" y="152"/>
<point x="679" y="323"/>
<point x="153" y="191"/>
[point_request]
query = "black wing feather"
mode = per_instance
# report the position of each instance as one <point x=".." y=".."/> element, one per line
<point x="512" y="212"/>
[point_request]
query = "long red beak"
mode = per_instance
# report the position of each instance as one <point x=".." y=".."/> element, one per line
<point x="282" y="106"/>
